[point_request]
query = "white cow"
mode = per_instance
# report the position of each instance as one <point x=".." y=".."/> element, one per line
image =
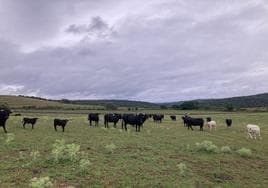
<point x="211" y="125"/>
<point x="253" y="131"/>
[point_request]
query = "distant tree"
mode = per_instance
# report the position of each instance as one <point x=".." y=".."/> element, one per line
<point x="229" y="107"/>
<point x="176" y="107"/>
<point x="189" y="105"/>
<point x="163" y="107"/>
<point x="110" y="106"/>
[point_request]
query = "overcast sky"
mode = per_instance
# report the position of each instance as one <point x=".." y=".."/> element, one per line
<point x="154" y="50"/>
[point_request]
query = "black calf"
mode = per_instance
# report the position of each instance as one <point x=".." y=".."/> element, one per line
<point x="93" y="117"/>
<point x="4" y="115"/>
<point x="60" y="122"/>
<point x="29" y="121"/>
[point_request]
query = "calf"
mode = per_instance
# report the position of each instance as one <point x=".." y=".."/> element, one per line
<point x="173" y="118"/>
<point x="93" y="117"/>
<point x="113" y="118"/>
<point x="253" y="131"/>
<point x="211" y="125"/>
<point x="60" y="122"/>
<point x="4" y="115"/>
<point x="158" y="118"/>
<point x="194" y="122"/>
<point x="228" y="122"/>
<point x="29" y="121"/>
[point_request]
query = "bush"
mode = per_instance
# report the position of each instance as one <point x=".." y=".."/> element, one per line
<point x="244" y="152"/>
<point x="226" y="149"/>
<point x="62" y="151"/>
<point x="183" y="169"/>
<point x="84" y="165"/>
<point x="206" y="146"/>
<point x="42" y="182"/>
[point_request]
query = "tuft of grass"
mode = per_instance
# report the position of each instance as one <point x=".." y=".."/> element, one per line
<point x="110" y="148"/>
<point x="244" y="152"/>
<point x="226" y="149"/>
<point x="206" y="146"/>
<point x="182" y="168"/>
<point x="10" y="138"/>
<point x="84" y="165"/>
<point x="42" y="182"/>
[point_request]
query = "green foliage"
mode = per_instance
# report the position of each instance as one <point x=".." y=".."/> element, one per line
<point x="110" y="148"/>
<point x="84" y="165"/>
<point x="189" y="105"/>
<point x="244" y="152"/>
<point x="62" y="151"/>
<point x="42" y="182"/>
<point x="206" y="146"/>
<point x="183" y="169"/>
<point x="110" y="106"/>
<point x="10" y="138"/>
<point x="226" y="149"/>
<point x="229" y="107"/>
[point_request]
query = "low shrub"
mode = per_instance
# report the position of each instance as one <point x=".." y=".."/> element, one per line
<point x="42" y="182"/>
<point x="244" y="152"/>
<point x="226" y="149"/>
<point x="206" y="146"/>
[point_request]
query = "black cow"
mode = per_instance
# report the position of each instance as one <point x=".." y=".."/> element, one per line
<point x="173" y="118"/>
<point x="113" y="118"/>
<point x="229" y="122"/>
<point x="93" y="117"/>
<point x="158" y="118"/>
<point x="208" y="119"/>
<point x="194" y="122"/>
<point x="60" y="122"/>
<point x="134" y="120"/>
<point x="29" y="121"/>
<point x="4" y="115"/>
<point x="184" y="120"/>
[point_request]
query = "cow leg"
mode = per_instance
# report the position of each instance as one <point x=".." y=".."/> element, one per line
<point x="55" y="127"/>
<point x="4" y="127"/>
<point x="32" y="126"/>
<point x="24" y="125"/>
<point x="63" y="128"/>
<point x="90" y="122"/>
<point x="191" y="127"/>
<point x="114" y="124"/>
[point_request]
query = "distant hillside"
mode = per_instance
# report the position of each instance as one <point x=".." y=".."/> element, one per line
<point x="252" y="101"/>
<point x="118" y="103"/>
<point x="30" y="102"/>
<point x="24" y="102"/>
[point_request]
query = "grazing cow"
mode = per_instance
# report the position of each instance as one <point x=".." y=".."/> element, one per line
<point x="93" y="117"/>
<point x="134" y="120"/>
<point x="158" y="118"/>
<point x="173" y="118"/>
<point x="228" y="122"/>
<point x="29" y="121"/>
<point x="253" y="131"/>
<point x="60" y="122"/>
<point x="194" y="122"/>
<point x="211" y="125"/>
<point x="4" y="115"/>
<point x="114" y="118"/>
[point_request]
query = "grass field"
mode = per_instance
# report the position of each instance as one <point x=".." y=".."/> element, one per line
<point x="161" y="155"/>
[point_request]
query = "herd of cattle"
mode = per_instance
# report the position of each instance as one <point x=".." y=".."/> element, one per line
<point x="136" y="120"/>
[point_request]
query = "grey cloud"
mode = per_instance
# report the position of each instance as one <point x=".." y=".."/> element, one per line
<point x="158" y="54"/>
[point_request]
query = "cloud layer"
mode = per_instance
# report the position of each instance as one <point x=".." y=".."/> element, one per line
<point x="155" y="51"/>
